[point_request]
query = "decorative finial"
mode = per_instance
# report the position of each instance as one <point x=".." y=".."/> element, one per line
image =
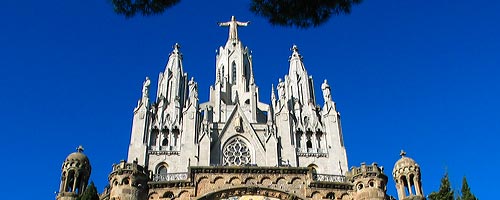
<point x="176" y="47"/>
<point x="403" y="153"/>
<point x="79" y="149"/>
<point x="295" y="52"/>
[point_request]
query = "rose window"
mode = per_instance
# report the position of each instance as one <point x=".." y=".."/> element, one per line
<point x="237" y="153"/>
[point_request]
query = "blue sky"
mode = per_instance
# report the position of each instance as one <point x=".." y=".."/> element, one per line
<point x="404" y="75"/>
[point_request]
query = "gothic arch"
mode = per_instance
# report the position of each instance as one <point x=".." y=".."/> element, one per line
<point x="233" y="72"/>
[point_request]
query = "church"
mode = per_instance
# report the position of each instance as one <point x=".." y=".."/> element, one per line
<point x="235" y="147"/>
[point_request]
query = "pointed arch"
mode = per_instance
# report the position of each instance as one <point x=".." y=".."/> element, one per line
<point x="233" y="72"/>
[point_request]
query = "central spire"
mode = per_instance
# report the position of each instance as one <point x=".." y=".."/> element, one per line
<point x="233" y="27"/>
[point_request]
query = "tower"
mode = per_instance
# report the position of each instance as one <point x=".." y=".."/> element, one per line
<point x="370" y="182"/>
<point x="128" y="181"/>
<point x="75" y="175"/>
<point x="310" y="135"/>
<point x="164" y="131"/>
<point x="406" y="174"/>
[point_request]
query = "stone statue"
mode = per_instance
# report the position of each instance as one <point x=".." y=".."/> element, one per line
<point x="145" y="88"/>
<point x="281" y="89"/>
<point x="326" y="91"/>
<point x="233" y="27"/>
<point x="238" y="124"/>
<point x="193" y="90"/>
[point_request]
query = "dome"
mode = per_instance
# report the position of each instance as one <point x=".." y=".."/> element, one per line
<point x="404" y="161"/>
<point x="78" y="156"/>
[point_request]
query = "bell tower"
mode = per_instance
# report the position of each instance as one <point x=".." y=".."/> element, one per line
<point x="406" y="174"/>
<point x="75" y="175"/>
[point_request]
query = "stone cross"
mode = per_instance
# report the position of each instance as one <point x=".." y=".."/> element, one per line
<point x="403" y="153"/>
<point x="79" y="149"/>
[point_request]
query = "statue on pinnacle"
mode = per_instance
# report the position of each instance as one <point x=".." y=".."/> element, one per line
<point x="233" y="27"/>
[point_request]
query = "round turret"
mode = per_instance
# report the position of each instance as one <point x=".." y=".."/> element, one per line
<point x="76" y="171"/>
<point x="369" y="182"/>
<point x="406" y="174"/>
<point x="128" y="181"/>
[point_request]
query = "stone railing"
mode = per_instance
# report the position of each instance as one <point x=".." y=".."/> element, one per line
<point x="329" y="178"/>
<point x="170" y="177"/>
<point x="311" y="152"/>
<point x="163" y="150"/>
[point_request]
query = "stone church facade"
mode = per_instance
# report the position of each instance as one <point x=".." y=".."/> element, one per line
<point x="236" y="147"/>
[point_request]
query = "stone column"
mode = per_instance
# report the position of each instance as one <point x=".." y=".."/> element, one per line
<point x="409" y="187"/>
<point x="418" y="189"/>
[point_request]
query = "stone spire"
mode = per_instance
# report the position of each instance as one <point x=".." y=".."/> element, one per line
<point x="302" y="89"/>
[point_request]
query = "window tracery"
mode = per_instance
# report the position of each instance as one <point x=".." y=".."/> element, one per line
<point x="237" y="153"/>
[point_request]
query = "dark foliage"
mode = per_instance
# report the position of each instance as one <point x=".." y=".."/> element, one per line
<point x="301" y="13"/>
<point x="90" y="193"/>
<point x="297" y="13"/>
<point x="466" y="193"/>
<point x="129" y="8"/>
<point x="445" y="192"/>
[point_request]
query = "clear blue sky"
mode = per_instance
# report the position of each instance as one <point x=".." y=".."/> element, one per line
<point x="413" y="75"/>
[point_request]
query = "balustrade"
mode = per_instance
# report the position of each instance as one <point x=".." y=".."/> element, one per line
<point x="170" y="177"/>
<point x="329" y="178"/>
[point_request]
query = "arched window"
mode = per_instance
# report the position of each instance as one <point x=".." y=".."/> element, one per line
<point x="404" y="181"/>
<point x="162" y="169"/>
<point x="175" y="133"/>
<point x="299" y="139"/>
<point x="236" y="152"/>
<point x="154" y="137"/>
<point x="234" y="72"/>
<point x="69" y="181"/>
<point x="309" y="137"/>
<point x="314" y="168"/>
<point x="319" y="138"/>
<point x="309" y="144"/>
